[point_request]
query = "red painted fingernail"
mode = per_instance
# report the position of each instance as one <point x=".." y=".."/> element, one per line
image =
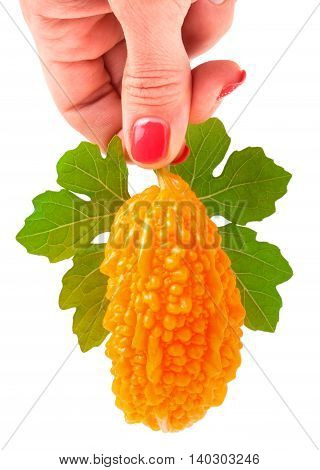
<point x="226" y="90"/>
<point x="183" y="155"/>
<point x="149" y="140"/>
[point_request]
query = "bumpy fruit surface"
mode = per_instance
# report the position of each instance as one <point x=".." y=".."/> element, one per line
<point x="175" y="312"/>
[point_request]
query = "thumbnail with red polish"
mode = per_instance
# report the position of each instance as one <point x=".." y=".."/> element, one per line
<point x="149" y="140"/>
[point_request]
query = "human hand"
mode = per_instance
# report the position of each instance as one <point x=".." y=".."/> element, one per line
<point x="125" y="64"/>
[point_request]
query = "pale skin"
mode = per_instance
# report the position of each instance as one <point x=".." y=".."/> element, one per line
<point x="108" y="64"/>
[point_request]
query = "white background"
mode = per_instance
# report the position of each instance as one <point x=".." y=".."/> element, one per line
<point x="76" y="414"/>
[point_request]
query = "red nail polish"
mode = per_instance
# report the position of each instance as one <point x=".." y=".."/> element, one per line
<point x="226" y="90"/>
<point x="149" y="140"/>
<point x="183" y="155"/>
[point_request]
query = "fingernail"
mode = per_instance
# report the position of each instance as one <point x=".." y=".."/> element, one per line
<point x="230" y="87"/>
<point x="149" y="140"/>
<point x="217" y="2"/>
<point x="183" y="155"/>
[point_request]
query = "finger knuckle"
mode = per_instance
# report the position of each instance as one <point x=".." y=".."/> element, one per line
<point x="153" y="87"/>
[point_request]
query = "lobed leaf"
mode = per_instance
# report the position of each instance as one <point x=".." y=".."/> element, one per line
<point x="60" y="223"/>
<point x="84" y="171"/>
<point x="259" y="267"/>
<point x="84" y="287"/>
<point x="247" y="189"/>
<point x="63" y="222"/>
<point x="208" y="143"/>
<point x="249" y="185"/>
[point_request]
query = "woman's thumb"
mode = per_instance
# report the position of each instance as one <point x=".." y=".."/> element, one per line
<point x="156" y="88"/>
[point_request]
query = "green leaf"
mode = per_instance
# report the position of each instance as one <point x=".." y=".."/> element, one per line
<point x="247" y="189"/>
<point x="208" y="143"/>
<point x="84" y="171"/>
<point x="249" y="185"/>
<point x="259" y="267"/>
<point x="62" y="221"/>
<point x="84" y="287"/>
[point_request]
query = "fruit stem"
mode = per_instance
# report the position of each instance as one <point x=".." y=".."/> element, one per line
<point x="162" y="175"/>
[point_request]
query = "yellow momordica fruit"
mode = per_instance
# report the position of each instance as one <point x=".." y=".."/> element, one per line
<point x="175" y="313"/>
